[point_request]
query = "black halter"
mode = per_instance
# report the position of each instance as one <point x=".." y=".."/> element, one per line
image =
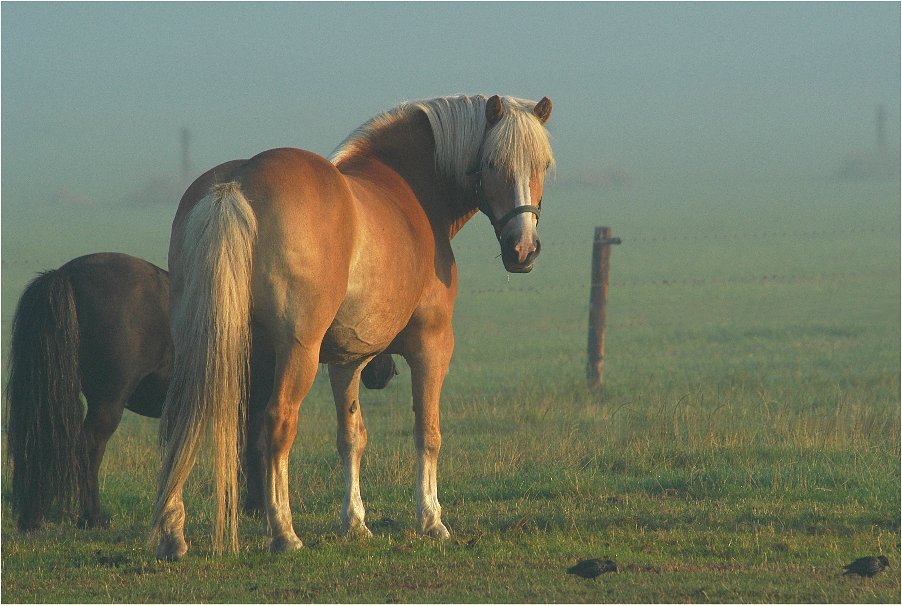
<point x="483" y="205"/>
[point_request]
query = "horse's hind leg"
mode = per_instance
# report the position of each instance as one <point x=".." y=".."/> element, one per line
<point x="351" y="441"/>
<point x="100" y="422"/>
<point x="172" y="545"/>
<point x="428" y="367"/>
<point x="296" y="368"/>
<point x="252" y="460"/>
<point x="260" y="389"/>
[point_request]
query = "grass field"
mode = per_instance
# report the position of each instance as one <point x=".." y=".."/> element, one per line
<point x="745" y="446"/>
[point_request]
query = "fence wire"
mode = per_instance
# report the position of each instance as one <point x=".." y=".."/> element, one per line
<point x="616" y="281"/>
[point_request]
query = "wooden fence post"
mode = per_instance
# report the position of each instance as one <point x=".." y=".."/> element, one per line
<point x="598" y="298"/>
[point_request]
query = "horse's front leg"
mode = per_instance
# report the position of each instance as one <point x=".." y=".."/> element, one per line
<point x="428" y="368"/>
<point x="351" y="441"/>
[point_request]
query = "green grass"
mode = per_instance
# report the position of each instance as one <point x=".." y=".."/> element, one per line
<point x="745" y="446"/>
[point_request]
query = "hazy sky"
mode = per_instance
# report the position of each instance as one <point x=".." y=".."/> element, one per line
<point x="94" y="95"/>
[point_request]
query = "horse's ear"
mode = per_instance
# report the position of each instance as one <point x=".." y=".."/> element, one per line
<point x="542" y="110"/>
<point x="493" y="110"/>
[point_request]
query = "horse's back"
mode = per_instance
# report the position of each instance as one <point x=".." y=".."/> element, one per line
<point x="122" y="304"/>
<point x="289" y="172"/>
<point x="294" y="194"/>
<point x="282" y="177"/>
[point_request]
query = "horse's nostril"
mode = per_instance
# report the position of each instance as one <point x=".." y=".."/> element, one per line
<point x="538" y="246"/>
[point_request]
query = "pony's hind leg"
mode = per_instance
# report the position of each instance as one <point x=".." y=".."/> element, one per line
<point x="351" y="441"/>
<point x="100" y="423"/>
<point x="295" y="371"/>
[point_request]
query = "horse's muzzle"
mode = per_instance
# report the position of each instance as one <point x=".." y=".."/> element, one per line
<point x="519" y="258"/>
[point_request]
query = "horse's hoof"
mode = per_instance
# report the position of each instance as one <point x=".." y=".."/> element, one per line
<point x="437" y="531"/>
<point x="284" y="543"/>
<point x="358" y="531"/>
<point x="171" y="550"/>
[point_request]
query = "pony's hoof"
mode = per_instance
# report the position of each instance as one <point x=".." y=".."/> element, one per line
<point x="437" y="531"/>
<point x="93" y="521"/>
<point x="31" y="523"/>
<point x="171" y="549"/>
<point x="285" y="543"/>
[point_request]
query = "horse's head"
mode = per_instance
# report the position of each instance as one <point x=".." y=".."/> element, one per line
<point x="516" y="155"/>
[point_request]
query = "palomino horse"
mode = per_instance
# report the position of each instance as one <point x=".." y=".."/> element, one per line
<point x="313" y="260"/>
<point x="98" y="325"/>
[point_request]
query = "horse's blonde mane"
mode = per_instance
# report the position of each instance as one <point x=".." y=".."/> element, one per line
<point x="518" y="144"/>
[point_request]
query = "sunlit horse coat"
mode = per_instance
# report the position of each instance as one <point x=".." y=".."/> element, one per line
<point x="335" y="261"/>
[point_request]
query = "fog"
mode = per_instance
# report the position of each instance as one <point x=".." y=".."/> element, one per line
<point x="94" y="96"/>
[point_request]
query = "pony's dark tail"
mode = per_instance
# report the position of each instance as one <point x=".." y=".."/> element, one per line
<point x="45" y="440"/>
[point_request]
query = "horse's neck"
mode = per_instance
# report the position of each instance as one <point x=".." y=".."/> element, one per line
<point x="408" y="147"/>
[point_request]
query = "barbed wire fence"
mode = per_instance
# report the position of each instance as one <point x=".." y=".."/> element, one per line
<point x="749" y="277"/>
<point x="34" y="264"/>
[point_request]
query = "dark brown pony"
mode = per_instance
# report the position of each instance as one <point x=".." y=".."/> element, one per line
<point x="98" y="325"/>
<point x="316" y="260"/>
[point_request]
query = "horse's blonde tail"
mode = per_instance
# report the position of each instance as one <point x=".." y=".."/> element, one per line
<point x="211" y="336"/>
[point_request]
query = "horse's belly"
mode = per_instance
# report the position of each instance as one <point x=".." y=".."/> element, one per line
<point x="385" y="283"/>
<point x="363" y="329"/>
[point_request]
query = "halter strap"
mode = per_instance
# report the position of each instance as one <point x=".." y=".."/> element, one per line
<point x="499" y="224"/>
